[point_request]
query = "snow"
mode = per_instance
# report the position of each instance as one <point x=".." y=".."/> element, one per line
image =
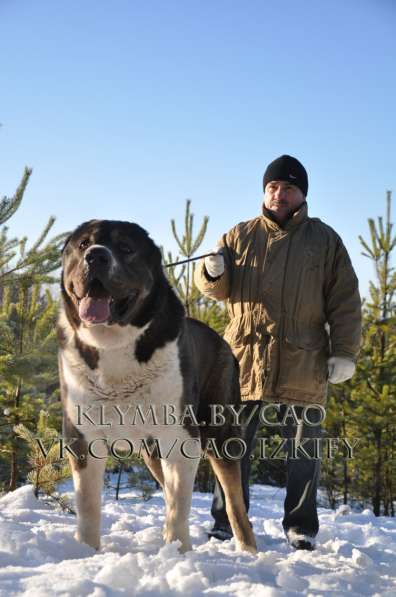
<point x="39" y="557"/>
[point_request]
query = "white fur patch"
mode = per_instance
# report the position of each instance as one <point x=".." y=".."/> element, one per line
<point x="121" y="381"/>
<point x="110" y="336"/>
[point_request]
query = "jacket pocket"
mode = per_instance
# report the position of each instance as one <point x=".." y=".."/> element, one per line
<point x="303" y="363"/>
<point x="312" y="258"/>
<point x="239" y="335"/>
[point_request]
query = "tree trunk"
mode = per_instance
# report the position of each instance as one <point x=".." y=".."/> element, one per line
<point x="346" y="481"/>
<point x="120" y="469"/>
<point x="377" y="475"/>
<point x="14" y="454"/>
<point x="345" y="470"/>
<point x="14" y="469"/>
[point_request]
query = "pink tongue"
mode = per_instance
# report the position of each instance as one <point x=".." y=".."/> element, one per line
<point x="94" y="310"/>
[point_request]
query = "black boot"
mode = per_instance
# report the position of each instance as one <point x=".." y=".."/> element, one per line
<point x="223" y="532"/>
<point x="300" y="540"/>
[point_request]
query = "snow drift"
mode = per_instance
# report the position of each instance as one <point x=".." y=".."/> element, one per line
<point x="39" y="556"/>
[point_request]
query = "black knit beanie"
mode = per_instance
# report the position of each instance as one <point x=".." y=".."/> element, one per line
<point x="288" y="169"/>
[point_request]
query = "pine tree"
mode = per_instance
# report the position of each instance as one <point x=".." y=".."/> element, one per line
<point x="28" y="370"/>
<point x="338" y="472"/>
<point x="18" y="264"/>
<point x="376" y="379"/>
<point x="182" y="277"/>
<point x="47" y="467"/>
<point x="365" y="407"/>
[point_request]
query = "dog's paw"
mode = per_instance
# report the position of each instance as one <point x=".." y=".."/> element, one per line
<point x="91" y="541"/>
<point x="244" y="547"/>
<point x="182" y="538"/>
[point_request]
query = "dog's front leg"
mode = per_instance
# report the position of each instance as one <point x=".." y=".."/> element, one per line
<point x="179" y="478"/>
<point x="88" y="483"/>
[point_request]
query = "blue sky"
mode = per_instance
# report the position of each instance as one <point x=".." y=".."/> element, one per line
<point x="125" y="109"/>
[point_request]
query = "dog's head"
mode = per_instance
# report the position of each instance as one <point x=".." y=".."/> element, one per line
<point x="109" y="268"/>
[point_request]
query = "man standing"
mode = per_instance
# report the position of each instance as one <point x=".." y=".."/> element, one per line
<point x="284" y="276"/>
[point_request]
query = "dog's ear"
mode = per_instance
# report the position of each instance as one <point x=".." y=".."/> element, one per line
<point x="154" y="250"/>
<point x="156" y="254"/>
<point x="66" y="242"/>
<point x="151" y="248"/>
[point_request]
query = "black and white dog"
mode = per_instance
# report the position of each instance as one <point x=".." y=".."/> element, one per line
<point x="134" y="370"/>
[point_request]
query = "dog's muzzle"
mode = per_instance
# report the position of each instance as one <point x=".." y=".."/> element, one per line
<point x="94" y="307"/>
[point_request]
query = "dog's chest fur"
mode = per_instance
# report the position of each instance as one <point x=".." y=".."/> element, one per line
<point x="120" y="381"/>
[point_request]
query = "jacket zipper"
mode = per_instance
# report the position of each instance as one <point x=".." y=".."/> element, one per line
<point x="281" y="322"/>
<point x="265" y="258"/>
<point x="260" y="315"/>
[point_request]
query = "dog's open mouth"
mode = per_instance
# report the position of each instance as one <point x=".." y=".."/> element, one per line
<point x="94" y="307"/>
<point x="98" y="306"/>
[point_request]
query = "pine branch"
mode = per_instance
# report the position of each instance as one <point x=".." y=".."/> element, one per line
<point x="9" y="206"/>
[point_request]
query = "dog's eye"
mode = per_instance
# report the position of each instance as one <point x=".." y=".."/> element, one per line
<point x="83" y="244"/>
<point x="124" y="248"/>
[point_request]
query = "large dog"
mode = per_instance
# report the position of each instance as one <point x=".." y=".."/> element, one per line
<point x="135" y="371"/>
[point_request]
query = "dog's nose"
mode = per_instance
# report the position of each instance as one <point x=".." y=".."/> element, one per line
<point x="97" y="256"/>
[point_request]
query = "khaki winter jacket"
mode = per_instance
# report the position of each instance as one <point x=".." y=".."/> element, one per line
<point x="281" y="286"/>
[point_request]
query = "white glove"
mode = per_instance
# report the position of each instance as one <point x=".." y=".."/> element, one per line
<point x="214" y="264"/>
<point x="340" y="369"/>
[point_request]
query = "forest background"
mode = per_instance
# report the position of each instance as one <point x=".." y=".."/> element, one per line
<point x="362" y="409"/>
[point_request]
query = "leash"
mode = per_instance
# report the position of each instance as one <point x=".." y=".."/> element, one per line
<point x="191" y="259"/>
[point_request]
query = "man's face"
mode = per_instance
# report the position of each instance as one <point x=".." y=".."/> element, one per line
<point x="282" y="198"/>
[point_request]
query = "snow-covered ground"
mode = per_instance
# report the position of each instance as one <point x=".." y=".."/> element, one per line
<point x="356" y="553"/>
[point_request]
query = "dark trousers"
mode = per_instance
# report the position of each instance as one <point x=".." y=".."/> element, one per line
<point x="302" y="473"/>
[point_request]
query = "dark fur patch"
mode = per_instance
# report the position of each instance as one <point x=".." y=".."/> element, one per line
<point x="191" y="391"/>
<point x="209" y="365"/>
<point x="88" y="353"/>
<point x="166" y="314"/>
<point x="61" y="335"/>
